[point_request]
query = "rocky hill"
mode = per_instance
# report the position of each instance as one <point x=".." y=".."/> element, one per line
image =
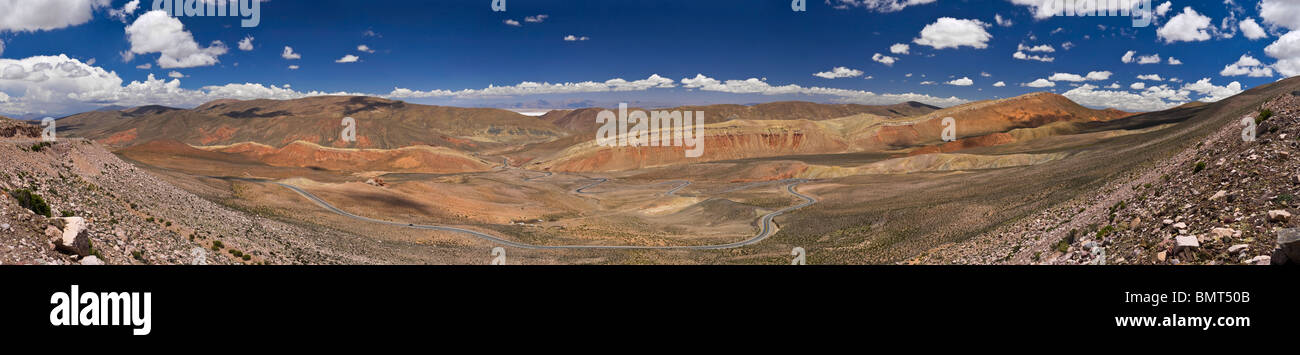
<point x="72" y="201"/>
<point x="1223" y="199"/>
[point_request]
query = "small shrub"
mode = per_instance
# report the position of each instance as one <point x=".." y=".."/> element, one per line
<point x="1200" y="165"/>
<point x="39" y="146"/>
<point x="247" y="257"/>
<point x="67" y="213"/>
<point x="218" y="244"/>
<point x="1264" y="115"/>
<point x="31" y="201"/>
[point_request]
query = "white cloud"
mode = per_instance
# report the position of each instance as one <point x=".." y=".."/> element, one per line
<point x="884" y="59"/>
<point x="1187" y="26"/>
<point x="1151" y="77"/>
<point x="1022" y="56"/>
<point x="59" y="84"/>
<point x="1213" y="93"/>
<point x="536" y="19"/>
<point x="927" y="82"/>
<point x="1249" y="66"/>
<point x="175" y="75"/>
<point x="1040" y="83"/>
<point x="997" y="18"/>
<point x="1066" y="77"/>
<point x="1252" y="30"/>
<point x="572" y="38"/>
<point x="986" y="74"/>
<point x="2" y="47"/>
<point x="1138" y="86"/>
<point x="1164" y="8"/>
<point x="839" y="72"/>
<point x="512" y="22"/>
<point x="246" y="44"/>
<point x="289" y="54"/>
<point x="348" y="59"/>
<point x="1128" y="57"/>
<point x="1175" y="61"/>
<point x="127" y="10"/>
<point x="155" y="32"/>
<point x="293" y="67"/>
<point x="964" y="81"/>
<point x="900" y="48"/>
<point x="878" y="5"/>
<point x="1092" y="76"/>
<point x="365" y="49"/>
<point x="1283" y="13"/>
<point x="145" y="66"/>
<point x="948" y="32"/>
<point x="1287" y="52"/>
<point x="1113" y="86"/>
<point x="1089" y="95"/>
<point x="1149" y="59"/>
<point x="999" y="84"/>
<point x="1039" y="48"/>
<point x="45" y="15"/>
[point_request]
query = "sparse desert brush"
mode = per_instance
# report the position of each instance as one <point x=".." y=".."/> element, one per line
<point x="1200" y="165"/>
<point x="1264" y="115"/>
<point x="31" y="201"/>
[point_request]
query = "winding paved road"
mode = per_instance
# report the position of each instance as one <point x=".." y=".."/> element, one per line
<point x="765" y="222"/>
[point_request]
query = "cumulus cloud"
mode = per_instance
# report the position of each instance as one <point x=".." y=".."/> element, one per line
<point x="999" y="84"/>
<point x="293" y="67"/>
<point x="348" y="59"/>
<point x="512" y="22"/>
<point x="1151" y="77"/>
<point x="839" y="72"/>
<point x="365" y="49"/>
<point x="59" y="84"/>
<point x="1040" y="83"/>
<point x="1022" y="56"/>
<point x="1039" y="48"/>
<point x="948" y="32"/>
<point x="877" y="5"/>
<point x="127" y="10"/>
<point x="1092" y="76"/>
<point x="289" y="54"/>
<point x="45" y="15"/>
<point x="1175" y="61"/>
<point x="175" y="75"/>
<point x="572" y="38"/>
<point x="1188" y="26"/>
<point x="1287" y="52"/>
<point x="964" y="81"/>
<point x="884" y="59"/>
<point x="1149" y="59"/>
<point x="536" y="19"/>
<point x="900" y="48"/>
<point x="155" y="32"/>
<point x="246" y="44"/>
<point x="1152" y="98"/>
<point x="1282" y="13"/>
<point x="997" y="18"/>
<point x="1247" y="65"/>
<point x="2" y="47"/>
<point x="1252" y="30"/>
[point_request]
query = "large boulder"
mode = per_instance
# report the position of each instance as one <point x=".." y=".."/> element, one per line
<point x="74" y="238"/>
<point x="1288" y="247"/>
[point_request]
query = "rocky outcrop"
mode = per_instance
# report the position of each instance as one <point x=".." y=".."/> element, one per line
<point x="73" y="236"/>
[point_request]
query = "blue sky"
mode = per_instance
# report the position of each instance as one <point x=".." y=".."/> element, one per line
<point x="451" y="52"/>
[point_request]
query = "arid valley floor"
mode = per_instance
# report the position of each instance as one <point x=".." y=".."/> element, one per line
<point x="1035" y="179"/>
